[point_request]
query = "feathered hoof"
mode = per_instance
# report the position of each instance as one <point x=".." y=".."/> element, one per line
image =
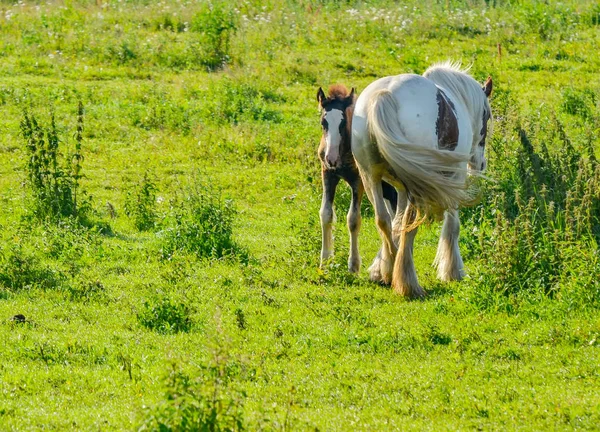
<point x="451" y="275"/>
<point x="377" y="272"/>
<point x="448" y="272"/>
<point x="411" y="291"/>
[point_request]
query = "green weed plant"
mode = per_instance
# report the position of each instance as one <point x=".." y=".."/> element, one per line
<point x="53" y="177"/>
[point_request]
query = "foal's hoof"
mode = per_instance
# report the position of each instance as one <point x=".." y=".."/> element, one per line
<point x="326" y="258"/>
<point x="354" y="265"/>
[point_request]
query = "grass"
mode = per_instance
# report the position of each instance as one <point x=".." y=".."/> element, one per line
<point x="202" y="116"/>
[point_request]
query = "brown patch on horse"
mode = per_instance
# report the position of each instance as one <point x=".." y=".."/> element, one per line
<point x="446" y="126"/>
<point x="483" y="131"/>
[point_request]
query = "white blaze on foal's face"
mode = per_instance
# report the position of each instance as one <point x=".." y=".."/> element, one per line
<point x="332" y="121"/>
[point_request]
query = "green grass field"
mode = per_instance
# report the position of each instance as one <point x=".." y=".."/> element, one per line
<point x="181" y="291"/>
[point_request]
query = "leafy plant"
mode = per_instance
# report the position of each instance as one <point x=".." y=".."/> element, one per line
<point x="203" y="225"/>
<point x="53" y="179"/>
<point x="20" y="269"/>
<point x="579" y="103"/>
<point x="140" y="204"/>
<point x="544" y="206"/>
<point x="216" y="25"/>
<point x="205" y="400"/>
<point x="237" y="102"/>
<point x="165" y="315"/>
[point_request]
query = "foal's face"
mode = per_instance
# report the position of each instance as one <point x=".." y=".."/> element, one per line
<point x="335" y="114"/>
<point x="333" y="121"/>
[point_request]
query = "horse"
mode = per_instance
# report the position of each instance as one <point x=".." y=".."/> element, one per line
<point x="338" y="163"/>
<point x="424" y="135"/>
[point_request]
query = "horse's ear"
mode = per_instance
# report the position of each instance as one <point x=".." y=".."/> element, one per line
<point x="351" y="98"/>
<point x="487" y="87"/>
<point x="320" y="96"/>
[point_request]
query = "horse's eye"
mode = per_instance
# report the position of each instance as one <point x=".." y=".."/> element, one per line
<point x="324" y="124"/>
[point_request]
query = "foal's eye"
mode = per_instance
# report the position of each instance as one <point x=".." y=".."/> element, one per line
<point x="324" y="124"/>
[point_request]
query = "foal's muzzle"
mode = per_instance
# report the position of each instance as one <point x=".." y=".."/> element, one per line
<point x="332" y="163"/>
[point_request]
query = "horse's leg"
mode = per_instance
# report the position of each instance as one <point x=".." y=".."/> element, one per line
<point x="383" y="265"/>
<point x="396" y="203"/>
<point x="391" y="195"/>
<point x="405" y="281"/>
<point x="448" y="261"/>
<point x="401" y="203"/>
<point x="330" y="182"/>
<point x="354" y="221"/>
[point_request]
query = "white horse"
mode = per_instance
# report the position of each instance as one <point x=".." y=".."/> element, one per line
<point x="422" y="134"/>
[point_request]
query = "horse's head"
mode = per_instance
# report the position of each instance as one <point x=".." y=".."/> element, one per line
<point x="478" y="161"/>
<point x="336" y="116"/>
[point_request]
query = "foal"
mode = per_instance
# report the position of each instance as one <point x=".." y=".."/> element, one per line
<point x="337" y="162"/>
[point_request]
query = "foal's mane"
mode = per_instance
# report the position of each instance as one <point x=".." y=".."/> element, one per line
<point x="450" y="76"/>
<point x="338" y="91"/>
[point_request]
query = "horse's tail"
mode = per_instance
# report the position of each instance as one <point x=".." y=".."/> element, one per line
<point x="435" y="180"/>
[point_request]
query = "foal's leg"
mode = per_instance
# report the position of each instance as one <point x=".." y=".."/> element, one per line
<point x="354" y="221"/>
<point x="405" y="280"/>
<point x="448" y="260"/>
<point x="330" y="182"/>
<point x="383" y="265"/>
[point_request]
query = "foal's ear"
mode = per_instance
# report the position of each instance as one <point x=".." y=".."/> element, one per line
<point x="351" y="98"/>
<point x="320" y="96"/>
<point x="487" y="87"/>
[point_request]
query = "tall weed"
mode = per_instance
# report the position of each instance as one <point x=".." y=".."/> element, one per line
<point x="543" y="207"/>
<point x="216" y="24"/>
<point x="140" y="204"/>
<point x="53" y="178"/>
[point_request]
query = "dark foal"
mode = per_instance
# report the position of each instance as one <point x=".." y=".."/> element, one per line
<point x="337" y="163"/>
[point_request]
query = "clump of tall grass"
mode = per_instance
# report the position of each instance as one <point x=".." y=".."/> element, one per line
<point x="53" y="178"/>
<point x="140" y="204"/>
<point x="215" y="23"/>
<point x="206" y="398"/>
<point x="20" y="269"/>
<point x="240" y="102"/>
<point x="165" y="315"/>
<point x="201" y="224"/>
<point x="541" y="212"/>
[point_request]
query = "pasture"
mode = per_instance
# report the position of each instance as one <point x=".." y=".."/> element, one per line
<point x="160" y="190"/>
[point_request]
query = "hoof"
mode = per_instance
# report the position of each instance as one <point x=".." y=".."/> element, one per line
<point x="377" y="272"/>
<point x="450" y="276"/>
<point x="326" y="257"/>
<point x="410" y="291"/>
<point x="354" y="265"/>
